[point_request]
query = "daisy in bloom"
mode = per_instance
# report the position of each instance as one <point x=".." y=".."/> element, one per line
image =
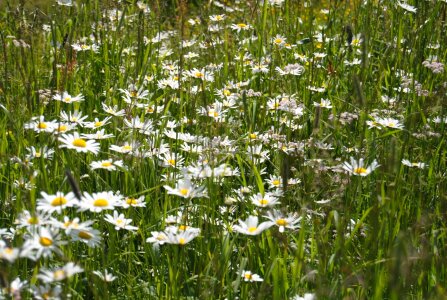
<point x="89" y="236"/>
<point x="126" y="148"/>
<point x="105" y="276"/>
<point x="26" y="219"/>
<point x="62" y="127"/>
<point x="251" y="226"/>
<point x="390" y="123"/>
<point x="358" y="168"/>
<point x="15" y="288"/>
<point x="324" y="103"/>
<point x="174" y="160"/>
<point x="75" y="117"/>
<point x="180" y="237"/>
<point x="59" y="274"/>
<point x="217" y="18"/>
<point x="74" y="141"/>
<point x="85" y="47"/>
<point x="120" y="221"/>
<point x="279" y="40"/>
<point x="99" y="135"/>
<point x="38" y="124"/>
<point x="97" y="123"/>
<point x="107" y="164"/>
<point x="250" y="277"/>
<point x="407" y="163"/>
<point x="98" y="202"/>
<point x="240" y="26"/>
<point x="264" y="201"/>
<point x="407" y="7"/>
<point x="157" y="238"/>
<point x="113" y="110"/>
<point x="68" y="224"/>
<point x="67" y="98"/>
<point x="47" y="291"/>
<point x="184" y="188"/>
<point x="132" y="202"/>
<point x="307" y="296"/>
<point x="133" y="93"/>
<point x="279" y="219"/>
<point x="200" y="74"/>
<point x="42" y="243"/>
<point x="43" y="152"/>
<point x="274" y="182"/>
<point x="8" y="253"/>
<point x="56" y="203"/>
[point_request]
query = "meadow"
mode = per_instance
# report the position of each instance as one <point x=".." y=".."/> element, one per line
<point x="276" y="149"/>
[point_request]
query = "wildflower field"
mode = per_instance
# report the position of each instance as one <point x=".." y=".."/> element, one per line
<point x="218" y="149"/>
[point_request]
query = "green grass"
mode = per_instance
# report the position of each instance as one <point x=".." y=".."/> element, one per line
<point x="379" y="236"/>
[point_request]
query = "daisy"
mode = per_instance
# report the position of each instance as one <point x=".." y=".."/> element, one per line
<point x="407" y="163"/>
<point x="99" y="135"/>
<point x="174" y="160"/>
<point x="279" y="40"/>
<point x="407" y="7"/>
<point x="240" y="26"/>
<point x="75" y="117"/>
<point x="28" y="220"/>
<point x="56" y="203"/>
<point x="184" y="188"/>
<point x="274" y="181"/>
<point x="73" y="141"/>
<point x="97" y="123"/>
<point x="62" y="127"/>
<point x="8" y="253"/>
<point x="38" y="124"/>
<point x="46" y="292"/>
<point x="68" y="224"/>
<point x="324" y="103"/>
<point x="42" y="243"/>
<point x="264" y="201"/>
<point x="180" y="237"/>
<point x="105" y="276"/>
<point x="89" y="236"/>
<point x="132" y="202"/>
<point x="107" y="164"/>
<point x="390" y="123"/>
<point x="279" y="219"/>
<point x="120" y="221"/>
<point x="126" y="148"/>
<point x="43" y="152"/>
<point x="113" y="110"/>
<point x="67" y="98"/>
<point x="251" y="227"/>
<point x="59" y="274"/>
<point x="98" y="202"/>
<point x="358" y="168"/>
<point x="249" y="276"/>
<point x="157" y="238"/>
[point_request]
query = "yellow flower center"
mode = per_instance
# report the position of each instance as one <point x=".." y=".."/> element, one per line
<point x="98" y="124"/>
<point x="263" y="202"/>
<point x="42" y="125"/>
<point x="182" y="241"/>
<point x="171" y="162"/>
<point x="360" y="171"/>
<point x="46" y="242"/>
<point x="67" y="99"/>
<point x="161" y="237"/>
<point x="182" y="227"/>
<point x="215" y="114"/>
<point x="58" y="201"/>
<point x="59" y="274"/>
<point x="106" y="164"/>
<point x="227" y="93"/>
<point x="85" y="235"/>
<point x="80" y="143"/>
<point x="8" y="250"/>
<point x="276" y="182"/>
<point x="131" y="201"/>
<point x="252" y="229"/>
<point x="278" y="41"/>
<point x="198" y="74"/>
<point x="62" y="128"/>
<point x="33" y="221"/>
<point x="184" y="192"/>
<point x="281" y="222"/>
<point x="101" y="202"/>
<point x="252" y="135"/>
<point x="119" y="222"/>
<point x="242" y="25"/>
<point x="85" y="47"/>
<point x="38" y="154"/>
<point x="133" y="93"/>
<point x="248" y="276"/>
<point x="127" y="147"/>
